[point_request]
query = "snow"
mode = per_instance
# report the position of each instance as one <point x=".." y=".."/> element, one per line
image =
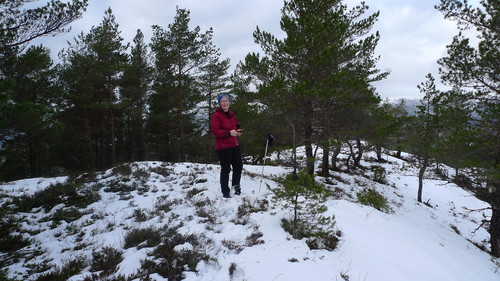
<point x="30" y="186"/>
<point x="412" y="242"/>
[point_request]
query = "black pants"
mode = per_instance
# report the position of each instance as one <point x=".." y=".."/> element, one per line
<point x="230" y="157"/>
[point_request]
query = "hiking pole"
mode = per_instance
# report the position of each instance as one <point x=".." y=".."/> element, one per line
<point x="269" y="141"/>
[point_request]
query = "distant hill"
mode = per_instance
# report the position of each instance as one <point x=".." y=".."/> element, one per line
<point x="410" y="104"/>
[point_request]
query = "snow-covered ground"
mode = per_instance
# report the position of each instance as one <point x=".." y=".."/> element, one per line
<point x="412" y="242"/>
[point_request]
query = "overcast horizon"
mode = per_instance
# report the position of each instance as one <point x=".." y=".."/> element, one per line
<point x="413" y="35"/>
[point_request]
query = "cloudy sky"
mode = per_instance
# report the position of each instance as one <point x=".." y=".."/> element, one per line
<point x="413" y="34"/>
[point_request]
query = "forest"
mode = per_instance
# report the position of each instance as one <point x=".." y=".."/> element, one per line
<point x="110" y="102"/>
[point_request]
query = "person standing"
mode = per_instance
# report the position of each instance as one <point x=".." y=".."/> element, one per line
<point x="225" y="128"/>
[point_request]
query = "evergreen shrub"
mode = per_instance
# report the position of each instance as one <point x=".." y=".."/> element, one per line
<point x="106" y="260"/>
<point x="371" y="197"/>
<point x="379" y="174"/>
<point x="304" y="198"/>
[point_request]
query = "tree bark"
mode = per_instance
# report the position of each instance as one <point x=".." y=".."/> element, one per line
<point x="112" y="128"/>
<point x="378" y="149"/>
<point x="141" y="149"/>
<point x="421" y="173"/>
<point x="294" y="148"/>
<point x="336" y="153"/>
<point x="182" y="130"/>
<point x="398" y="153"/>
<point x="352" y="155"/>
<point x="495" y="222"/>
<point x="347" y="166"/>
<point x="325" y="167"/>
<point x="211" y="144"/>
<point x="309" y="150"/>
<point x="357" y="158"/>
<point x="33" y="159"/>
<point x="495" y="211"/>
<point x="90" y="162"/>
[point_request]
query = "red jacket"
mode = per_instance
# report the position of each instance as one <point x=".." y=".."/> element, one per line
<point x="220" y="125"/>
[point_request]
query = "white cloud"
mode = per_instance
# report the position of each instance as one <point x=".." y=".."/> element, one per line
<point x="413" y="34"/>
<point x="413" y="37"/>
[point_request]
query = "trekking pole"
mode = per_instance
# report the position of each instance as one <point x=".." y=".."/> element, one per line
<point x="269" y="141"/>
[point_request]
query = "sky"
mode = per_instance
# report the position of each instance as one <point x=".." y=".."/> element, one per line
<point x="409" y="242"/>
<point x="413" y="34"/>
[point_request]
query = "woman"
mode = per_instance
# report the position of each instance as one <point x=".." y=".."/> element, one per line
<point x="224" y="126"/>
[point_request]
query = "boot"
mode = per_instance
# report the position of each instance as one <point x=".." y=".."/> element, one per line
<point x="237" y="189"/>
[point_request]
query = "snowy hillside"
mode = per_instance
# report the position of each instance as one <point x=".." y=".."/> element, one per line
<point x="138" y="221"/>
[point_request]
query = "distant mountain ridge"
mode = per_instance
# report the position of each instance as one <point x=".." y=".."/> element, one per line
<point x="410" y="104"/>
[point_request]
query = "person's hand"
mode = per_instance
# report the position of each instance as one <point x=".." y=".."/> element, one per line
<point x="235" y="133"/>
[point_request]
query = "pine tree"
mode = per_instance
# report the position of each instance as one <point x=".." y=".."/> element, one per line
<point x="135" y="91"/>
<point x="213" y="81"/>
<point x="19" y="27"/>
<point x="423" y="132"/>
<point x="457" y="149"/>
<point x="253" y="116"/>
<point x="179" y="53"/>
<point x="474" y="72"/>
<point x="29" y="118"/>
<point x="305" y="198"/>
<point x="396" y="139"/>
<point x="109" y="55"/>
<point x="76" y="77"/>
<point x="385" y="121"/>
<point x="92" y="69"/>
<point x="324" y="64"/>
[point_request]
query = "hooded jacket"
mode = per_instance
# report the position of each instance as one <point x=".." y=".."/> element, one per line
<point x="221" y="125"/>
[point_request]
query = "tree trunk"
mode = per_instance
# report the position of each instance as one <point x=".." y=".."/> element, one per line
<point x="309" y="151"/>
<point x="348" y="168"/>
<point x="296" y="212"/>
<point x="90" y="162"/>
<point x="33" y="157"/>
<point x="357" y="158"/>
<point x="336" y="153"/>
<point x="141" y="150"/>
<point x="141" y="154"/>
<point x="113" y="141"/>
<point x="180" y="118"/>
<point x="182" y="133"/>
<point x="398" y="153"/>
<point x="495" y="211"/>
<point x="325" y="167"/>
<point x="495" y="222"/>
<point x="378" y="149"/>
<point x="351" y="155"/>
<point x="294" y="148"/>
<point x="112" y="129"/>
<point x="211" y="144"/>
<point x="421" y="180"/>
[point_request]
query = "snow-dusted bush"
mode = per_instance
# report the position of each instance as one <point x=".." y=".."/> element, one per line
<point x="379" y="174"/>
<point x="176" y="254"/>
<point x="64" y="272"/>
<point x="106" y="260"/>
<point x="142" y="237"/>
<point x="70" y="194"/>
<point x="304" y="198"/>
<point x="371" y="197"/>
